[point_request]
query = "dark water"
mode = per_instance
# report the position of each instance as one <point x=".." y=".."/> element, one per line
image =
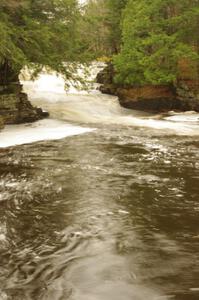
<point x="108" y="215"/>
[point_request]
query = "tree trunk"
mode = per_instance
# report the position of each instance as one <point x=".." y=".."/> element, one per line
<point x="7" y="74"/>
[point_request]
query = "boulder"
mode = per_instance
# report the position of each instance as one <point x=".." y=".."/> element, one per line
<point x="110" y="89"/>
<point x="106" y="76"/>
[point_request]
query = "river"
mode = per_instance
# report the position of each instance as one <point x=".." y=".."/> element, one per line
<point x="98" y="202"/>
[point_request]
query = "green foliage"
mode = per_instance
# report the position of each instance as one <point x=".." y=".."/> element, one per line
<point x="115" y="16"/>
<point x="99" y="27"/>
<point x="157" y="35"/>
<point x="151" y="36"/>
<point x="93" y="30"/>
<point x="39" y="33"/>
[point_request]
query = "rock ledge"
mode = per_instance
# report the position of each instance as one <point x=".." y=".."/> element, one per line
<point x="15" y="108"/>
<point x="184" y="96"/>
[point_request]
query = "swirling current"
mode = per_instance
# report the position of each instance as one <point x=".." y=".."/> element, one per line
<point x="99" y="202"/>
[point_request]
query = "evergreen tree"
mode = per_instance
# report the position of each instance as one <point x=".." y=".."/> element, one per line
<point x="157" y="35"/>
<point x="115" y="16"/>
<point x="93" y="29"/>
<point x="100" y="27"/>
<point x="37" y="33"/>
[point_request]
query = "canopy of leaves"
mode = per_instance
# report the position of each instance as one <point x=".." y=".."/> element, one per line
<point x="93" y="29"/>
<point x="157" y="35"/>
<point x="99" y="27"/>
<point x="39" y="33"/>
<point x="148" y="38"/>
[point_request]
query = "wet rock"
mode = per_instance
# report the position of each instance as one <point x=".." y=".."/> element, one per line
<point x="110" y="89"/>
<point x="188" y="94"/>
<point x="15" y="108"/>
<point x="106" y="76"/>
<point x="157" y="99"/>
<point x="42" y="113"/>
<point x="106" y="79"/>
<point x="183" y="96"/>
<point x="148" y="98"/>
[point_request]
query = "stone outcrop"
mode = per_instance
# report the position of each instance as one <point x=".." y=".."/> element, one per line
<point x="106" y="75"/>
<point x="149" y="98"/>
<point x="15" y="107"/>
<point x="183" y="96"/>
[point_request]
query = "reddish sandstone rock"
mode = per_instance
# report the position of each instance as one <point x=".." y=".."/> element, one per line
<point x="182" y="96"/>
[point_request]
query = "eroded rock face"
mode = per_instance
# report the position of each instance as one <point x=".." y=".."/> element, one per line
<point x="106" y="75"/>
<point x="187" y="92"/>
<point x="15" y="108"/>
<point x="148" y="98"/>
<point x="154" y="98"/>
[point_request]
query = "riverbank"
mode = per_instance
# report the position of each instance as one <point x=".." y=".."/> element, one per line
<point x="15" y="108"/>
<point x="184" y="96"/>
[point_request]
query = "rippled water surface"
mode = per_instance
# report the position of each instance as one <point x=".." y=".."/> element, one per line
<point x="111" y="214"/>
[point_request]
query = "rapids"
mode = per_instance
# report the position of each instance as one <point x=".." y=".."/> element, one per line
<point x="98" y="202"/>
<point x="93" y="107"/>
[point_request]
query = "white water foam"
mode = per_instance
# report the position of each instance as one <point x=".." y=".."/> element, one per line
<point x="93" y="107"/>
<point x="189" y="117"/>
<point x="51" y="82"/>
<point x="47" y="129"/>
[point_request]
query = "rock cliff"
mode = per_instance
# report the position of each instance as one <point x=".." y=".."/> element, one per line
<point x="15" y="107"/>
<point x="183" y="96"/>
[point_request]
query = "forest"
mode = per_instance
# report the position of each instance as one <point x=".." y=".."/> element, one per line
<point x="147" y="41"/>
